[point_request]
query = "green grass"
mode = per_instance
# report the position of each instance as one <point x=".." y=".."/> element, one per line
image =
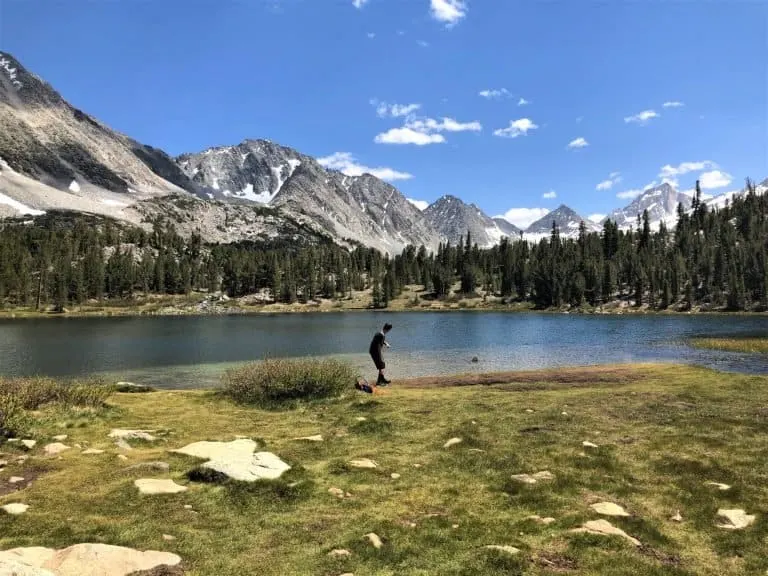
<point x="749" y="345"/>
<point x="662" y="432"/>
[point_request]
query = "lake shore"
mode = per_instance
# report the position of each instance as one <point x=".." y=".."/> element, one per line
<point x="527" y="475"/>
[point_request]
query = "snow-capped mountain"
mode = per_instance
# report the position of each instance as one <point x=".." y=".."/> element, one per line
<point x="565" y="218"/>
<point x="661" y="203"/>
<point x="453" y="218"/>
<point x="506" y="227"/>
<point x="722" y="200"/>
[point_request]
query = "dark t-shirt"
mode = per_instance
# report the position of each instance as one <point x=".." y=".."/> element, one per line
<point x="377" y="344"/>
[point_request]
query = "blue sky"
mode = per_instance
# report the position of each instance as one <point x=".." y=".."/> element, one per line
<point x="324" y="76"/>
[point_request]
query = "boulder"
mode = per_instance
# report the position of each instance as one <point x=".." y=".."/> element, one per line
<point x="236" y="459"/>
<point x="55" y="448"/>
<point x="609" y="509"/>
<point x="735" y="519"/>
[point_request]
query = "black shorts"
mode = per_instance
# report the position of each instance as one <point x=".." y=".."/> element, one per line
<point x="378" y="361"/>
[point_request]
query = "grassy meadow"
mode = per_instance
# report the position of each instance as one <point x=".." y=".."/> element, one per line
<point x="660" y="432"/>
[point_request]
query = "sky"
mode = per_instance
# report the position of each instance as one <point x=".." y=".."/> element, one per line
<point x="516" y="106"/>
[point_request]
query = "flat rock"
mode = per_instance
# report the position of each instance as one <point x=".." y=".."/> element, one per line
<point x="339" y="493"/>
<point x="9" y="567"/>
<point x="236" y="459"/>
<point x="452" y="442"/>
<point x="394" y="476"/>
<point x="315" y="438"/>
<point x="528" y="411"/>
<point x="361" y="418"/>
<point x="158" y="486"/>
<point x="677" y="517"/>
<point x="29" y="444"/>
<point x="16" y="479"/>
<point x="534" y="478"/>
<point x="340" y="553"/>
<point x="90" y="451"/>
<point x="121" y="434"/>
<point x="122" y="457"/>
<point x="735" y="519"/>
<point x="362" y="463"/>
<point x="718" y="485"/>
<point x="540" y="520"/>
<point x="374" y="540"/>
<point x="169" y="538"/>
<point x="60" y="437"/>
<point x="15" y="509"/>
<point x="588" y="444"/>
<point x="609" y="509"/>
<point x="88" y="560"/>
<point x="55" y="448"/>
<point x="605" y="528"/>
<point x="506" y="549"/>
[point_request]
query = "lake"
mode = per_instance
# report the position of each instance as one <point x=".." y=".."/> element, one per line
<point x="193" y="352"/>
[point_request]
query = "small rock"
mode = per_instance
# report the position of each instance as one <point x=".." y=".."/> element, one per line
<point x="60" y="437"/>
<point x="315" y="438"/>
<point x="736" y="519"/>
<point x="15" y="509"/>
<point x="340" y="553"/>
<point x="121" y="434"/>
<point x="507" y="549"/>
<point x="15" y="479"/>
<point x="29" y="444"/>
<point x="169" y="538"/>
<point x="338" y="492"/>
<point x="187" y="506"/>
<point x="475" y="360"/>
<point x="417" y="465"/>
<point x="394" y="476"/>
<point x="78" y="446"/>
<point x="534" y="478"/>
<point x="677" y="517"/>
<point x="92" y="451"/>
<point x="540" y="520"/>
<point x="529" y="411"/>
<point x="374" y="540"/>
<point x="564" y="413"/>
<point x="475" y="450"/>
<point x="21" y="459"/>
<point x="588" y="444"/>
<point x="362" y="463"/>
<point x="158" y="486"/>
<point x="605" y="528"/>
<point x="452" y="442"/>
<point x="544" y="475"/>
<point x="3" y="463"/>
<point x="123" y="445"/>
<point x="55" y="448"/>
<point x="609" y="509"/>
<point x="718" y="485"/>
<point x="122" y="457"/>
<point x="361" y="418"/>
<point x="455" y="526"/>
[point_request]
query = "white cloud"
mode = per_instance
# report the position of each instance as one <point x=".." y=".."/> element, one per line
<point x="420" y="204"/>
<point x="714" y="179"/>
<point x="642" y="118"/>
<point x="448" y="11"/>
<point x="423" y="43"/>
<point x="673" y="104"/>
<point x="516" y="128"/>
<point x="494" y="94"/>
<point x="522" y="101"/>
<point x="385" y="110"/>
<point x="549" y="195"/>
<point x="345" y="163"/>
<point x="596" y="218"/>
<point x="359" y="3"/>
<point x="579" y="119"/>
<point x="629" y="194"/>
<point x="446" y="124"/>
<point x="613" y="179"/>
<point x="524" y="217"/>
<point x="668" y="171"/>
<point x="578" y="143"/>
<point x="371" y="35"/>
<point x="407" y="135"/>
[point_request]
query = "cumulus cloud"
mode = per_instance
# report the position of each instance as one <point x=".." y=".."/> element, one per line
<point x="407" y="135"/>
<point x="629" y="194"/>
<point x="523" y="217"/>
<point x="549" y="195"/>
<point x="494" y="94"/>
<point x="423" y="43"/>
<point x="613" y="179"/>
<point x="522" y="101"/>
<point x="443" y="125"/>
<point x="516" y="128"/>
<point x="642" y="118"/>
<point x="596" y="218"/>
<point x="451" y="12"/>
<point x="714" y="179"/>
<point x="345" y="163"/>
<point x="579" y="142"/>
<point x="673" y="104"/>
<point x="669" y="174"/>
<point x="359" y="3"/>
<point x="371" y="35"/>
<point x="420" y="204"/>
<point x="386" y="110"/>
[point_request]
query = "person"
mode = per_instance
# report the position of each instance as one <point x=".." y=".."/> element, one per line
<point x="377" y="344"/>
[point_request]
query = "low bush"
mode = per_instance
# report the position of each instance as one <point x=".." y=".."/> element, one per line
<point x="277" y="382"/>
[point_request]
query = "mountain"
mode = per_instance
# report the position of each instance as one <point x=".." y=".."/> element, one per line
<point x="360" y="209"/>
<point x="506" y="227"/>
<point x="453" y="218"/>
<point x="722" y="200"/>
<point x="566" y="219"/>
<point x="661" y="203"/>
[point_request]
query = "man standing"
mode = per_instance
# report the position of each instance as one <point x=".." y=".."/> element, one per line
<point x="377" y="344"/>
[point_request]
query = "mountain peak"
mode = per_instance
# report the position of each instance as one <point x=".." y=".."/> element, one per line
<point x="564" y="217"/>
<point x="661" y="202"/>
<point x="453" y="218"/>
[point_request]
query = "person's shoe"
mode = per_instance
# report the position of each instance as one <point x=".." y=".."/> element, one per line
<point x="383" y="381"/>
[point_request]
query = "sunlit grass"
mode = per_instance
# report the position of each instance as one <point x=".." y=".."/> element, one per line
<point x="749" y="345"/>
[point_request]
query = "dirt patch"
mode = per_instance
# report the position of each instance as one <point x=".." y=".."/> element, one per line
<point x="662" y="557"/>
<point x="29" y="473"/>
<point x="554" y="562"/>
<point x="534" y="379"/>
<point x="161" y="571"/>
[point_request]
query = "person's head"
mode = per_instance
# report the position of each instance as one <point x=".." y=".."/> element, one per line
<point x="387" y="327"/>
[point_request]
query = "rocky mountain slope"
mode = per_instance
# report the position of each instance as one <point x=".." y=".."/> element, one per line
<point x="453" y="218"/>
<point x="566" y="219"/>
<point x="661" y="203"/>
<point x="507" y="228"/>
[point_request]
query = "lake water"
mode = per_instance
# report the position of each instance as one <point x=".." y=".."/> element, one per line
<point x="191" y="352"/>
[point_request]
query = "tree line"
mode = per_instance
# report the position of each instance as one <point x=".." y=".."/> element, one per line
<point x="714" y="258"/>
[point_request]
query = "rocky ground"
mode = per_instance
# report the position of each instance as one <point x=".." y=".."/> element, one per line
<point x="617" y="470"/>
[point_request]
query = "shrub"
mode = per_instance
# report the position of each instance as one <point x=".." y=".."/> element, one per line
<point x="277" y="382"/>
<point x="13" y="419"/>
